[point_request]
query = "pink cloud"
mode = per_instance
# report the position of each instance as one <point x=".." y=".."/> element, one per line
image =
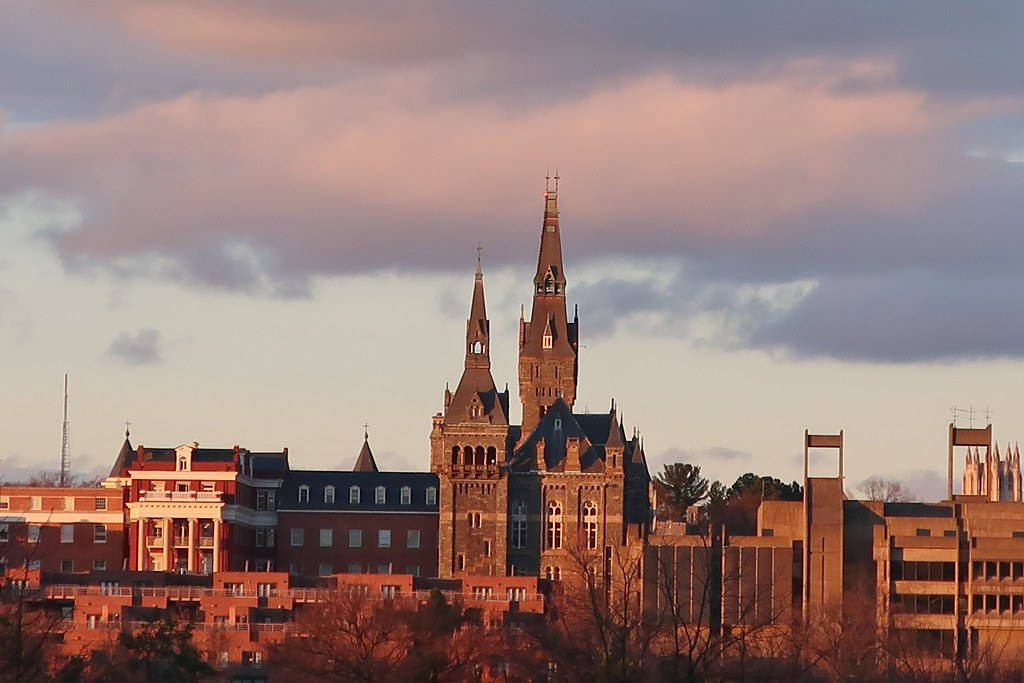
<point x="378" y="173"/>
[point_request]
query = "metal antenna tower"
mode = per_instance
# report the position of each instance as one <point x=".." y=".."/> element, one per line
<point x="65" y="451"/>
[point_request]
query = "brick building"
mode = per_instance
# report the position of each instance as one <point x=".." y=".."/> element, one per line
<point x="520" y="499"/>
<point x="61" y="529"/>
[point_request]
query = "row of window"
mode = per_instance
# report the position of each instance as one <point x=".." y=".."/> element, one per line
<point x="36" y="503"/>
<point x="993" y="569"/>
<point x="68" y="566"/>
<point x="923" y="571"/>
<point x="922" y="604"/>
<point x="326" y="568"/>
<point x="467" y="455"/>
<point x="553" y="525"/>
<point x="380" y="495"/>
<point x="1007" y="604"/>
<point x="355" y="538"/>
<point x="67" y="533"/>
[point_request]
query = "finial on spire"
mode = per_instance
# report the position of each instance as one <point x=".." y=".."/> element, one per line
<point x="547" y="180"/>
<point x="557" y="177"/>
<point x="127" y="428"/>
<point x="479" y="267"/>
<point x="366" y="431"/>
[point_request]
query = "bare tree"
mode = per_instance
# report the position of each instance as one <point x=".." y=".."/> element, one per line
<point x="886" y="490"/>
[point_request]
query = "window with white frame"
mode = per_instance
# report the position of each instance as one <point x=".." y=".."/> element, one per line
<point x="329" y="494"/>
<point x="303" y="494"/>
<point x="353" y="495"/>
<point x="431" y="495"/>
<point x="67" y="533"/>
<point x="261" y="538"/>
<point x="380" y="495"/>
<point x="590" y="524"/>
<point x="384" y="538"/>
<point x="554" y="525"/>
<point x="355" y="538"/>
<point x="99" y="534"/>
<point x="324" y="569"/>
<point x="99" y="565"/>
<point x="298" y="537"/>
<point x="413" y="539"/>
<point x="33" y="533"/>
<point x="405" y="496"/>
<point x="100" y="503"/>
<point x="326" y="538"/>
<point x="519" y="525"/>
<point x="5" y="533"/>
<point x="354" y="568"/>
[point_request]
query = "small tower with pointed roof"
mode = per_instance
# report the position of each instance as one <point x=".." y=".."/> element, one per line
<point x="365" y="461"/>
<point x="549" y="341"/>
<point x="468" y="447"/>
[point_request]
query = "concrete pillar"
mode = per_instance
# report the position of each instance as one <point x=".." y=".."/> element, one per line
<point x="216" y="545"/>
<point x="168" y="543"/>
<point x="141" y="547"/>
<point x="191" y="544"/>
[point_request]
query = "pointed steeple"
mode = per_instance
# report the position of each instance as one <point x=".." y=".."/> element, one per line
<point x="365" y="461"/>
<point x="550" y="278"/>
<point x="478" y="327"/>
<point x="124" y="456"/>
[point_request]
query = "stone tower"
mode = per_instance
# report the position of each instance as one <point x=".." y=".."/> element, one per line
<point x="468" y="445"/>
<point x="548" y="342"/>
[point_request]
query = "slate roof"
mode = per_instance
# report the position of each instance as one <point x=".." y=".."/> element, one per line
<point x="365" y="461"/>
<point x="392" y="482"/>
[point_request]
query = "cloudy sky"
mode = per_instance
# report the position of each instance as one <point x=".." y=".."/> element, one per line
<point x="256" y="222"/>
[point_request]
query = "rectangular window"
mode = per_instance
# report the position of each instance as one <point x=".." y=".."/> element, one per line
<point x="182" y="487"/>
<point x="325" y="569"/>
<point x="100" y="503"/>
<point x="67" y="533"/>
<point x="99" y="565"/>
<point x="380" y="495"/>
<point x="208" y="486"/>
<point x="261" y="538"/>
<point x="383" y="568"/>
<point x="431" y="496"/>
<point x="355" y="538"/>
<point x="924" y="532"/>
<point x="5" y="533"/>
<point x="413" y="539"/>
<point x="354" y="568"/>
<point x="384" y="538"/>
<point x="413" y="569"/>
<point x="353" y="495"/>
<point x="326" y="538"/>
<point x="67" y="566"/>
<point x="329" y="494"/>
<point x="406" y="495"/>
<point x="99" y="534"/>
<point x="33" y="533"/>
<point x="295" y="568"/>
<point x="297" y="537"/>
<point x="487" y="548"/>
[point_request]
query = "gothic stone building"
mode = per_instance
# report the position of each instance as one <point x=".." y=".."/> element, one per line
<point x="522" y="499"/>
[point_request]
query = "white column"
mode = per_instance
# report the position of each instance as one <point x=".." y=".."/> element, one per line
<point x="139" y="557"/>
<point x="191" y="544"/>
<point x="168" y="543"/>
<point x="216" y="545"/>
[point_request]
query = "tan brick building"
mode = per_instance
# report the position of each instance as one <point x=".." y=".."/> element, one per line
<point x="520" y="499"/>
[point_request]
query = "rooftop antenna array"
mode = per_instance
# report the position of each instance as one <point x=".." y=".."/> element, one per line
<point x="65" y="450"/>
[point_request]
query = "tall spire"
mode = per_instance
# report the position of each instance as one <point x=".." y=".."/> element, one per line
<point x="478" y="328"/>
<point x="550" y="278"/>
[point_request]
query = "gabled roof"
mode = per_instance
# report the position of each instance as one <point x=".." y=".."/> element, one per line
<point x="477" y="385"/>
<point x="365" y="461"/>
<point x="124" y="458"/>
<point x="556" y="428"/>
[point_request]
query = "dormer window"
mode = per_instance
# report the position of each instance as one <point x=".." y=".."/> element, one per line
<point x="558" y="423"/>
<point x="353" y="495"/>
<point x="329" y="494"/>
<point x="431" y="495"/>
<point x="380" y="495"/>
<point x="405" y="495"/>
<point x="546" y="341"/>
<point x="182" y="464"/>
<point x="303" y="494"/>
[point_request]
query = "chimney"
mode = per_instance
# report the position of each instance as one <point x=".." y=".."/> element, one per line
<point x="572" y="454"/>
<point x="539" y="454"/>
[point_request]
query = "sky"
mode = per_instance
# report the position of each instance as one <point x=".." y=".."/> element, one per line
<point x="256" y="223"/>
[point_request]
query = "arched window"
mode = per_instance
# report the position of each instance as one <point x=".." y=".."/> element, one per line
<point x="479" y="458"/>
<point x="492" y="455"/>
<point x="182" y="463"/>
<point x="405" y="495"/>
<point x="303" y="494"/>
<point x="380" y="495"/>
<point x="518" y="525"/>
<point x="455" y="455"/>
<point x="549" y="572"/>
<point x="329" y="494"/>
<point x="554" y="524"/>
<point x="590" y="524"/>
<point x="467" y="455"/>
<point x="353" y="495"/>
<point x="431" y="495"/>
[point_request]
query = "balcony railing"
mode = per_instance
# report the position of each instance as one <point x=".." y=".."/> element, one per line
<point x="180" y="496"/>
<point x="191" y="593"/>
